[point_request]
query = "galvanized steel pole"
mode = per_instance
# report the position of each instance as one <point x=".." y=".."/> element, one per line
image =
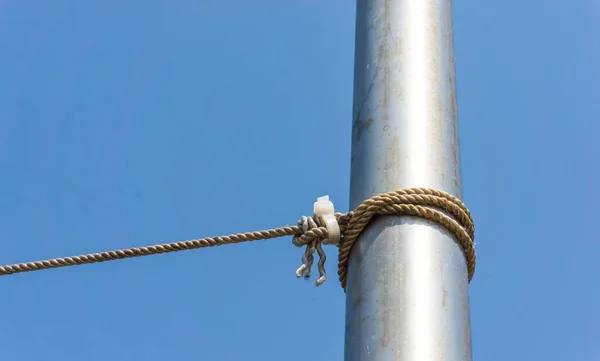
<point x="407" y="291"/>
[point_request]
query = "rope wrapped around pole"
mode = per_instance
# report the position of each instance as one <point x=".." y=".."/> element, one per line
<point x="436" y="206"/>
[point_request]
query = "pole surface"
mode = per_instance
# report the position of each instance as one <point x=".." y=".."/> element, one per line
<point x="407" y="291"/>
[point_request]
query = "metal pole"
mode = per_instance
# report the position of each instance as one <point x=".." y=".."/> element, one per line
<point x="407" y="290"/>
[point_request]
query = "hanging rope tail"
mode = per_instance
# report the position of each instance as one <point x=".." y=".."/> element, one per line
<point x="323" y="228"/>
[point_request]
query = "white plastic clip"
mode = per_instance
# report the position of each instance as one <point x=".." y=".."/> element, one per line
<point x="324" y="210"/>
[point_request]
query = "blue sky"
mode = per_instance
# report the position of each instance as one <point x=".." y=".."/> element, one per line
<point x="137" y="122"/>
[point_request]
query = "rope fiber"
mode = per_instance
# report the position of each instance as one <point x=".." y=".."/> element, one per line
<point x="310" y="232"/>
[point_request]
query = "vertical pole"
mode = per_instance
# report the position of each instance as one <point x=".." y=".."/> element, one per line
<point x="407" y="290"/>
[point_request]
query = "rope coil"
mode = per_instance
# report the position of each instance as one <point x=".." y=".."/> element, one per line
<point x="310" y="232"/>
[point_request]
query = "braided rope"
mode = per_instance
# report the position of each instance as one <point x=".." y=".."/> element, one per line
<point x="437" y="206"/>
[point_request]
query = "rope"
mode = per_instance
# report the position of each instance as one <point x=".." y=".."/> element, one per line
<point x="310" y="232"/>
<point x="416" y="202"/>
<point x="149" y="250"/>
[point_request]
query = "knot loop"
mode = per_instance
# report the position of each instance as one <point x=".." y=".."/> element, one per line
<point x="314" y="235"/>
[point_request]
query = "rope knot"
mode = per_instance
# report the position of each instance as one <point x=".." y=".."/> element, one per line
<point x="314" y="235"/>
<point x="343" y="230"/>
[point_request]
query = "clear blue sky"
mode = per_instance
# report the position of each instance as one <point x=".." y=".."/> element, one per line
<point x="136" y="122"/>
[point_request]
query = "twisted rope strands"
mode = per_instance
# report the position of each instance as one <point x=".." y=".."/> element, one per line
<point x="149" y="250"/>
